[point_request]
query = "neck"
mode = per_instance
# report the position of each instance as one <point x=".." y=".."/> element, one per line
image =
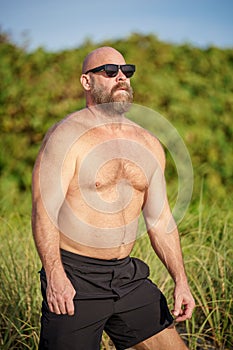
<point x="106" y="113"/>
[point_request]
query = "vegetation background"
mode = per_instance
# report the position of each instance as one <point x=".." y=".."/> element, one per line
<point x="193" y="89"/>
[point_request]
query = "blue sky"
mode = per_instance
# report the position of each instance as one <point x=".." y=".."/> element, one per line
<point x="57" y="24"/>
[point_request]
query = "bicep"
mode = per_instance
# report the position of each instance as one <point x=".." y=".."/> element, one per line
<point x="156" y="199"/>
<point x="51" y="177"/>
<point x="156" y="209"/>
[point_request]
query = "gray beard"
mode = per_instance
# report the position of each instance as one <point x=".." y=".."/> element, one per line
<point x="110" y="104"/>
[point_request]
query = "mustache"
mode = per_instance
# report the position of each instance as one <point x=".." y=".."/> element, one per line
<point x="121" y="85"/>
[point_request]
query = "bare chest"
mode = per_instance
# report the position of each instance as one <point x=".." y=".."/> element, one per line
<point x="107" y="174"/>
<point x="121" y="171"/>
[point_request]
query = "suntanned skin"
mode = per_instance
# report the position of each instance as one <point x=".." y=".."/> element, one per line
<point x="109" y="199"/>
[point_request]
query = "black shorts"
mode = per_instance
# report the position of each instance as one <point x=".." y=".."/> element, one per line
<point x="114" y="296"/>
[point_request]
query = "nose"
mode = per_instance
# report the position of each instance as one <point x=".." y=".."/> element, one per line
<point x="120" y="76"/>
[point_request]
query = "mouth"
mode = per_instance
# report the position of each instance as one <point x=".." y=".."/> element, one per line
<point x="121" y="88"/>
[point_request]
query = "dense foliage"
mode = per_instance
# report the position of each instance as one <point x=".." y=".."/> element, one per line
<point x="191" y="87"/>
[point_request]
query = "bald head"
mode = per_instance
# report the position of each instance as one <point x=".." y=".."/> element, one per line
<point x="100" y="56"/>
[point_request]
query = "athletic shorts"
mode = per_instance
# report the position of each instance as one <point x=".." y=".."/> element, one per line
<point x="114" y="296"/>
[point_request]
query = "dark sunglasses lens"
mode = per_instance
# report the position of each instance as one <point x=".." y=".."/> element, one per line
<point x="111" y="70"/>
<point x="128" y="70"/>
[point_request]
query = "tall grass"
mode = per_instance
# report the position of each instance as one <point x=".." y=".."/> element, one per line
<point x="207" y="247"/>
<point x="19" y="293"/>
<point x="208" y="251"/>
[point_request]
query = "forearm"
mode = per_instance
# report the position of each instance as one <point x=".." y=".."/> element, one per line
<point x="59" y="292"/>
<point x="167" y="247"/>
<point x="47" y="239"/>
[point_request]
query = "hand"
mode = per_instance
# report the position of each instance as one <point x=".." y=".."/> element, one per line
<point x="60" y="293"/>
<point x="183" y="303"/>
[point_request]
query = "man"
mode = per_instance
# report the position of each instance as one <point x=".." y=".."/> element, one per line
<point x="94" y="174"/>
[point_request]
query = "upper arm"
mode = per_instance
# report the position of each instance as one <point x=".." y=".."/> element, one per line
<point x="156" y="210"/>
<point x="52" y="173"/>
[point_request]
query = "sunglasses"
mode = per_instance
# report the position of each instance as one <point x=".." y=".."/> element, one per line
<point x="112" y="70"/>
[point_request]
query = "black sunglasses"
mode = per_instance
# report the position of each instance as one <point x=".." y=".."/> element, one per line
<point x="112" y="70"/>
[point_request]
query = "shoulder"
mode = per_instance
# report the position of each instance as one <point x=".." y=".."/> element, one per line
<point x="155" y="147"/>
<point x="66" y="131"/>
<point x="151" y="142"/>
<point x="59" y="138"/>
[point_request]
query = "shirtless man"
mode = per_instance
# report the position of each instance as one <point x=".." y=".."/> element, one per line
<point x="95" y="173"/>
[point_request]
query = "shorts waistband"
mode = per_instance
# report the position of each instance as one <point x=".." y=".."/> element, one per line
<point x="73" y="257"/>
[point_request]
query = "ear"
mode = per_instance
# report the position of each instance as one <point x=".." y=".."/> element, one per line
<point x="85" y="81"/>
